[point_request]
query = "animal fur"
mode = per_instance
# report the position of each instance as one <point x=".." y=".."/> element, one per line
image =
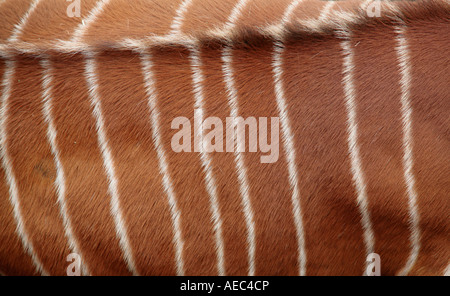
<point x="63" y="199"/>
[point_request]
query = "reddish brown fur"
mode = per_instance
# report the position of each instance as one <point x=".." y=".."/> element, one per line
<point x="310" y="9"/>
<point x="90" y="209"/>
<point x="14" y="259"/>
<point x="432" y="139"/>
<point x="34" y="167"/>
<point x="208" y="15"/>
<point x="380" y="126"/>
<point x="42" y="26"/>
<point x="123" y="18"/>
<point x="275" y="208"/>
<point x="330" y="212"/>
<point x="173" y="82"/>
<point x="312" y="64"/>
<point x="10" y="14"/>
<point x="234" y="230"/>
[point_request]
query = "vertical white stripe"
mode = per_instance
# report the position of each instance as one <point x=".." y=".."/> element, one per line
<point x="288" y="140"/>
<point x="198" y="79"/>
<point x="240" y="165"/>
<point x="352" y="125"/>
<point x="227" y="69"/>
<point x="164" y="169"/>
<point x="86" y="22"/>
<point x="289" y="148"/>
<point x="18" y="28"/>
<point x="60" y="182"/>
<point x="177" y="22"/>
<point x="406" y="110"/>
<point x="9" y="173"/>
<point x="108" y="161"/>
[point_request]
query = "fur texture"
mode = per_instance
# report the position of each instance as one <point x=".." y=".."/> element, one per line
<point x="85" y="138"/>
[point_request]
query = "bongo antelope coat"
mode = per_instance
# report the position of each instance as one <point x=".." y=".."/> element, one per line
<point x="87" y="167"/>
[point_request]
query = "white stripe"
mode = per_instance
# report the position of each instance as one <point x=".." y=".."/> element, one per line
<point x="240" y="165"/>
<point x="164" y="169"/>
<point x="227" y="69"/>
<point x="356" y="167"/>
<point x="85" y="23"/>
<point x="108" y="161"/>
<point x="288" y="12"/>
<point x="315" y="24"/>
<point x="326" y="11"/>
<point x="225" y="31"/>
<point x="60" y="182"/>
<point x="405" y="82"/>
<point x="235" y="13"/>
<point x="365" y="4"/>
<point x="339" y="21"/>
<point x="177" y="22"/>
<point x="18" y="28"/>
<point x="289" y="147"/>
<point x="198" y="79"/>
<point x="447" y="271"/>
<point x="9" y="173"/>
<point x="288" y="139"/>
